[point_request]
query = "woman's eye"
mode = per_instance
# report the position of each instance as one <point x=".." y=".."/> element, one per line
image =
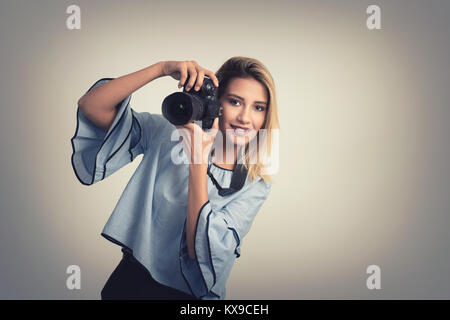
<point x="259" y="108"/>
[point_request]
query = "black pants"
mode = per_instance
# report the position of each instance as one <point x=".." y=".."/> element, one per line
<point x="131" y="280"/>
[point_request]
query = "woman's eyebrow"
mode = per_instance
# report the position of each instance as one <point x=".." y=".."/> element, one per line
<point x="235" y="95"/>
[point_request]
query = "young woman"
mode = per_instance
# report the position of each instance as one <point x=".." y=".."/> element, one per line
<point x="179" y="235"/>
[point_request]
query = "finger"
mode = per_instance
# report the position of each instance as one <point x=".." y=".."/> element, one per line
<point x="192" y="76"/>
<point x="213" y="77"/>
<point x="216" y="123"/>
<point x="214" y="128"/>
<point x="200" y="78"/>
<point x="183" y="75"/>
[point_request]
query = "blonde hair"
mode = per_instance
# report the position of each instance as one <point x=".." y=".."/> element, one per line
<point x="243" y="67"/>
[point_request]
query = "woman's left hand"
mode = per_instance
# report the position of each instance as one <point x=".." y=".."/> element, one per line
<point x="199" y="140"/>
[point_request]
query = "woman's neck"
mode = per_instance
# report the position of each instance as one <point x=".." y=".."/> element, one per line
<point x="225" y="159"/>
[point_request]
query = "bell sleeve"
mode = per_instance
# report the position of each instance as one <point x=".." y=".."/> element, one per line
<point x="98" y="154"/>
<point x="218" y="238"/>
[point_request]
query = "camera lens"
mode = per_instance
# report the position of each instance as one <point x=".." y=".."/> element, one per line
<point x="177" y="108"/>
<point x="180" y="108"/>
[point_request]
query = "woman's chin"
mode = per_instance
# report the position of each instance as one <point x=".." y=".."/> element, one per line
<point x="239" y="141"/>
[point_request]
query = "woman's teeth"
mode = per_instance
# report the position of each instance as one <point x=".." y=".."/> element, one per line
<point x="240" y="131"/>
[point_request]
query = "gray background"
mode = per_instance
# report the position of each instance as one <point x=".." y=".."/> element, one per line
<point x="364" y="152"/>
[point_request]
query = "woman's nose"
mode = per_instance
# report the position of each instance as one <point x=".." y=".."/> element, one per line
<point x="244" y="115"/>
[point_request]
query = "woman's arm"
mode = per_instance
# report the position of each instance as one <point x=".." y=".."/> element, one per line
<point x="197" y="197"/>
<point x="99" y="104"/>
<point x="197" y="144"/>
<point x="198" y="183"/>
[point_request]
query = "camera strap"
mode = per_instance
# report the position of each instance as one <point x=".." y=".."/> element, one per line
<point x="237" y="180"/>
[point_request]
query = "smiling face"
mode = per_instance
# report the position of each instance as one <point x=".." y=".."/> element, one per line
<point x="244" y="103"/>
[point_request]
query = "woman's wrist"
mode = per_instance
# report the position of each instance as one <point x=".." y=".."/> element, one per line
<point x="160" y="66"/>
<point x="154" y="71"/>
<point x="198" y="167"/>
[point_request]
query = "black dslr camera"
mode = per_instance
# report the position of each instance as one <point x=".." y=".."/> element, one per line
<point x="187" y="106"/>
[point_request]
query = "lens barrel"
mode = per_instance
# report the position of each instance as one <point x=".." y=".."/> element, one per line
<point x="181" y="108"/>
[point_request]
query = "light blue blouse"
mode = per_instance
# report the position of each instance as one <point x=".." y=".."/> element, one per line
<point x="150" y="215"/>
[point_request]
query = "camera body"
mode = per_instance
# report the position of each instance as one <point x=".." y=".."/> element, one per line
<point x="183" y="107"/>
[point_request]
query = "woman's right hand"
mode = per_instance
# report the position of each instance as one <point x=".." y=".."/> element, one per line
<point x="179" y="70"/>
